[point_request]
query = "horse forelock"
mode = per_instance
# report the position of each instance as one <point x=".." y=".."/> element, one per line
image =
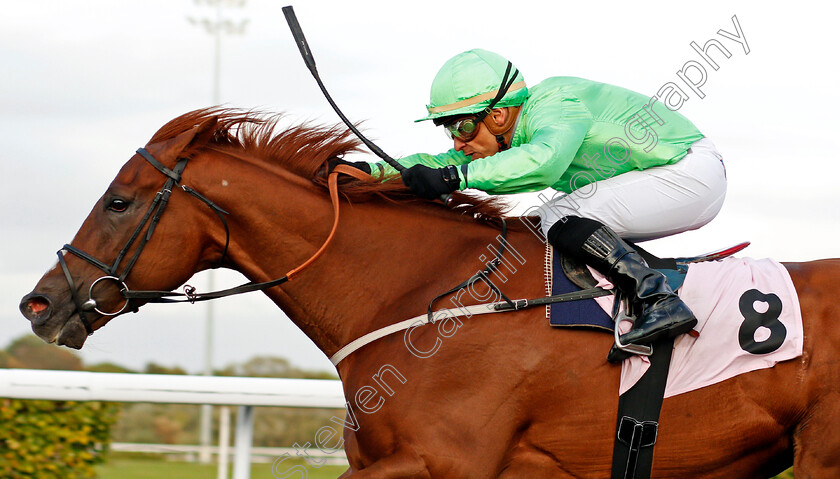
<point x="305" y="149"/>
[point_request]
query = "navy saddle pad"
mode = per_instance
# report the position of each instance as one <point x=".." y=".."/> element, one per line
<point x="582" y="313"/>
<point x="586" y="312"/>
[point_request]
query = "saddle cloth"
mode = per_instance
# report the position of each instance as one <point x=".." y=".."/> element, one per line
<point x="748" y="318"/>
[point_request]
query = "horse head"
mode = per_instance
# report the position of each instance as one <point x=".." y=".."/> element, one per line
<point x="115" y="245"/>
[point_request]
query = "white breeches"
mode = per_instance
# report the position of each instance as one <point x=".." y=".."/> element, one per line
<point x="652" y="203"/>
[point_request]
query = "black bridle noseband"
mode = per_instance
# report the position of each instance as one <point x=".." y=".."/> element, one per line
<point x="152" y="217"/>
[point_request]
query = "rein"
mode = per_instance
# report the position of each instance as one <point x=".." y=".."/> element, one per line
<point x="152" y="217"/>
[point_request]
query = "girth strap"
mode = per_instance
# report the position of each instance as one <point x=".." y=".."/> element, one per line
<point x="638" y="417"/>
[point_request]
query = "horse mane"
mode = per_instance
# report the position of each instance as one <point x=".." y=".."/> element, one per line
<point x="305" y="149"/>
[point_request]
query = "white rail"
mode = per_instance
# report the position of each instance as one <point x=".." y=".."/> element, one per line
<point x="162" y="388"/>
<point x="165" y="388"/>
<point x="258" y="454"/>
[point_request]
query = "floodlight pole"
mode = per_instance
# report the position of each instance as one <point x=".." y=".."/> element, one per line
<point x="215" y="27"/>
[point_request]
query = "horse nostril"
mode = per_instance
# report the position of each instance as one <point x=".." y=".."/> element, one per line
<point x="34" y="306"/>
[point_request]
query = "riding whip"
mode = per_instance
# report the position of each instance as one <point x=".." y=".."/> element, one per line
<point x="306" y="53"/>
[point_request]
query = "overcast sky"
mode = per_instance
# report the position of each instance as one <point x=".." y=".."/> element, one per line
<point x="85" y="83"/>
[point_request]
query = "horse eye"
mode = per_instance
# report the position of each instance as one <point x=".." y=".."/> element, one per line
<point x="117" y="205"/>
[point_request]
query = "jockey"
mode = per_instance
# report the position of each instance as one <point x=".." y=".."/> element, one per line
<point x="622" y="165"/>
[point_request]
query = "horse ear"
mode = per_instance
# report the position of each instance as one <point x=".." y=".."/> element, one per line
<point x="199" y="134"/>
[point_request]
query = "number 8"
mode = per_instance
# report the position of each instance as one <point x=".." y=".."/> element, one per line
<point x="754" y="320"/>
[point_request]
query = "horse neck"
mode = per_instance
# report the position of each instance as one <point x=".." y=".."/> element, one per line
<point x="384" y="265"/>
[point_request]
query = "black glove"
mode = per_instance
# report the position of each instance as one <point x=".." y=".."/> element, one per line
<point x="431" y="183"/>
<point x="361" y="165"/>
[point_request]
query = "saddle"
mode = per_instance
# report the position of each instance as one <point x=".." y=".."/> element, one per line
<point x="674" y="269"/>
<point x="565" y="275"/>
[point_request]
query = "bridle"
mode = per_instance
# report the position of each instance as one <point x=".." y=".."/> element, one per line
<point x="151" y="218"/>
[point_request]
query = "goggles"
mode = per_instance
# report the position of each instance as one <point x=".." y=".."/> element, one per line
<point x="465" y="129"/>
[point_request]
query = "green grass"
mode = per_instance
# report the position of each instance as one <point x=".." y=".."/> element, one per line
<point x="156" y="468"/>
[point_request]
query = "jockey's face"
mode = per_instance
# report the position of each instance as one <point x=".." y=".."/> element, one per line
<point x="484" y="144"/>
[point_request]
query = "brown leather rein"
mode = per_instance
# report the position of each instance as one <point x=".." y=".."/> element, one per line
<point x="332" y="182"/>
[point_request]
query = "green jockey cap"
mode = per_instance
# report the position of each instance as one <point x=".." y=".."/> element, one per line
<point x="469" y="81"/>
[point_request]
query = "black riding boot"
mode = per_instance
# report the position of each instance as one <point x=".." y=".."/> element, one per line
<point x="661" y="312"/>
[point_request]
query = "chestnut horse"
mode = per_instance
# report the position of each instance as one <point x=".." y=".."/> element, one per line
<point x="499" y="395"/>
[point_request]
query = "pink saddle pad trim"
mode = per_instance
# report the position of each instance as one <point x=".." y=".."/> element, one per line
<point x="714" y="290"/>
